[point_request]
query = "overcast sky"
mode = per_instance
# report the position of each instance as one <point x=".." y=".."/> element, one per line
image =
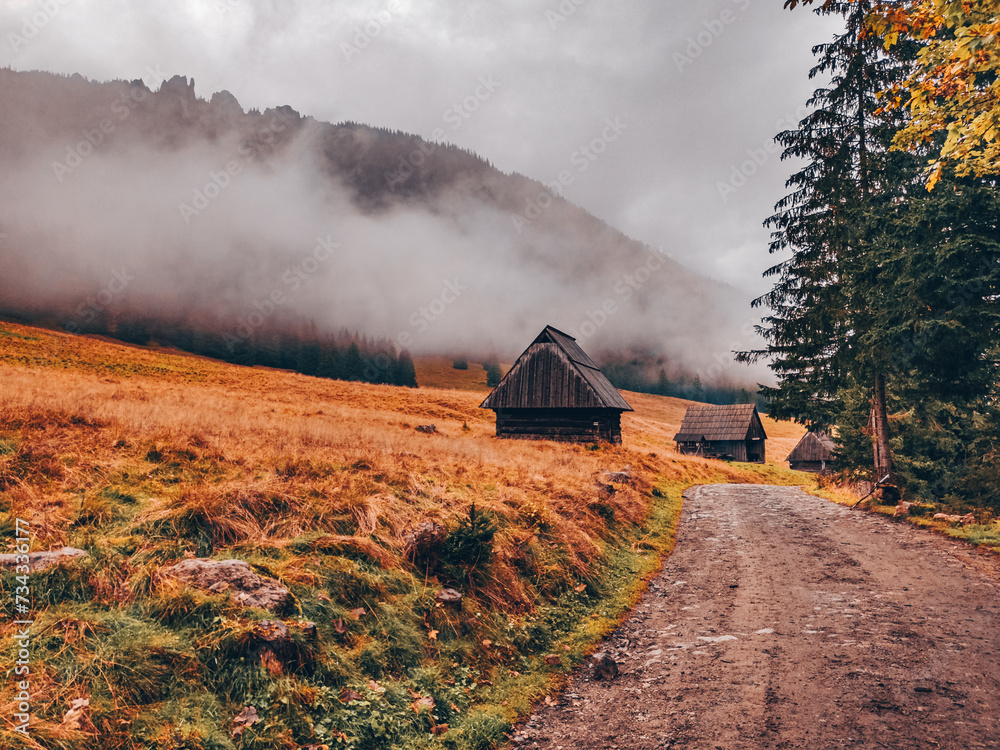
<point x="672" y="105"/>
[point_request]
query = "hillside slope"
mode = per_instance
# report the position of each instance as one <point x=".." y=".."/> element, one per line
<point x="144" y="458"/>
<point x="120" y="205"/>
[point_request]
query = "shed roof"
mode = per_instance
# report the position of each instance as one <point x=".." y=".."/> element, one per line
<point x="814" y="446"/>
<point x="555" y="373"/>
<point x="713" y="423"/>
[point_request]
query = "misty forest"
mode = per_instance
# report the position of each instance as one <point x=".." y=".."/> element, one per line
<point x="300" y="231"/>
<point x="285" y="463"/>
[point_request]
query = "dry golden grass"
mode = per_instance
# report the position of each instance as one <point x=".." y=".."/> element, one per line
<point x="439" y="372"/>
<point x="88" y="412"/>
<point x="145" y="456"/>
<point x="261" y="418"/>
<point x="347" y="458"/>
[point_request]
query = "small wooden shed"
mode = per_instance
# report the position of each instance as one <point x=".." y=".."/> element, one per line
<point x="813" y="453"/>
<point x="732" y="432"/>
<point x="554" y="391"/>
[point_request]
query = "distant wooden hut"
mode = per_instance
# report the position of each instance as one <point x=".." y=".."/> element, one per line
<point x="554" y="391"/>
<point x="732" y="432"/>
<point x="813" y="453"/>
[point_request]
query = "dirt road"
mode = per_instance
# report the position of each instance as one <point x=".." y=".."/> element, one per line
<point x="784" y="621"/>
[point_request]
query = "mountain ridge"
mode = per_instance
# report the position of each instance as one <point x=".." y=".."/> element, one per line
<point x="246" y="194"/>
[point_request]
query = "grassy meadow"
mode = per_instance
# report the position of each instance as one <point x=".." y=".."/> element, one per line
<point x="144" y="457"/>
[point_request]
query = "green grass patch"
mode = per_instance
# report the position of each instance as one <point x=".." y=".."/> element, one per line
<point x="385" y="667"/>
<point x="982" y="535"/>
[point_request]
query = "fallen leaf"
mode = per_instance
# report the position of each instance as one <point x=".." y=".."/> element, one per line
<point x="426" y="702"/>
<point x="359" y="613"/>
<point x="549" y="701"/>
<point x="487" y="643"/>
<point x="324" y="598"/>
<point x="339" y="626"/>
<point x="439" y="729"/>
<point x="245" y="718"/>
<point x="347" y="695"/>
<point x="566" y="648"/>
<point x="374" y="686"/>
<point x="581" y="588"/>
<point x="552" y="660"/>
<point x="73" y="717"/>
<point x="271" y="662"/>
<point x="433" y="635"/>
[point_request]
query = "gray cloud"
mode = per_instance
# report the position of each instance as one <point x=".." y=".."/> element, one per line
<point x="698" y="85"/>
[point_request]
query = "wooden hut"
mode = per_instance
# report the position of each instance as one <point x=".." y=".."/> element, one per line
<point x="554" y="391"/>
<point x="731" y="432"/>
<point x="813" y="453"/>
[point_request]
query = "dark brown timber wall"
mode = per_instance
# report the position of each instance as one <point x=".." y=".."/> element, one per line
<point x="569" y="425"/>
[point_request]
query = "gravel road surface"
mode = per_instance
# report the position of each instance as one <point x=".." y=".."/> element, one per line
<point x="785" y="621"/>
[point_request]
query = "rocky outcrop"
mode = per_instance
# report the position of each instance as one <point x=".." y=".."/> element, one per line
<point x="234" y="576"/>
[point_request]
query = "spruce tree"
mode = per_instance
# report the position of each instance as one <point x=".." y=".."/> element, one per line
<point x="406" y="373"/>
<point x="828" y="291"/>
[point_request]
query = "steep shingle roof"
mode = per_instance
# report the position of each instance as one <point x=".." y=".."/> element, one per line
<point x="555" y="373"/>
<point x="712" y="423"/>
<point x="814" y="446"/>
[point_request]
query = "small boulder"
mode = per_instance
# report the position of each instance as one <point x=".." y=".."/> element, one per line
<point x="430" y="429"/>
<point x="605" y="668"/>
<point x="41" y="560"/>
<point x="902" y="509"/>
<point x="619" y="477"/>
<point x="448" y="596"/>
<point x="235" y="576"/>
<point x="424" y="541"/>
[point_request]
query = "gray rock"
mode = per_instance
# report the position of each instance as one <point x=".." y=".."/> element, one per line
<point x="41" y="560"/>
<point x="620" y="477"/>
<point x="235" y="576"/>
<point x="448" y="596"/>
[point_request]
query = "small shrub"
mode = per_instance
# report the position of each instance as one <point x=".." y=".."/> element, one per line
<point x="470" y="544"/>
<point x="461" y="363"/>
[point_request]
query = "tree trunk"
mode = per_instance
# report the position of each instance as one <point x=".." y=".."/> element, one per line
<point x="880" y="444"/>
